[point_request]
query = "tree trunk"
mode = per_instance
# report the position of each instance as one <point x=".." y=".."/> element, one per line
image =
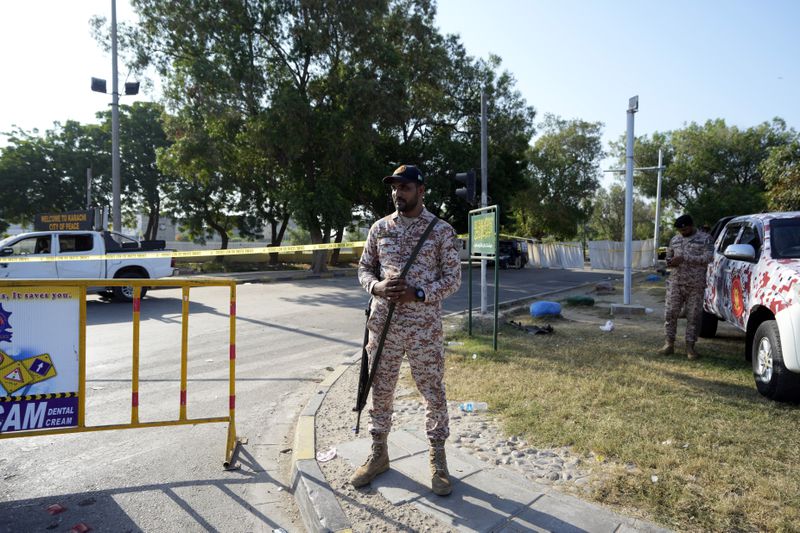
<point x="318" y="259"/>
<point x="277" y="237"/>
<point x="335" y="252"/>
<point x="223" y="235"/>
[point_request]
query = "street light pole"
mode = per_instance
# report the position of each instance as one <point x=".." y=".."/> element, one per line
<point x="633" y="107"/>
<point x="115" y="171"/>
<point x="484" y="193"/>
<point x="658" y="209"/>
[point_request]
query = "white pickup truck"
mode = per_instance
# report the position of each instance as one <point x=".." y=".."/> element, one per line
<point x="81" y="243"/>
<point x="753" y="283"/>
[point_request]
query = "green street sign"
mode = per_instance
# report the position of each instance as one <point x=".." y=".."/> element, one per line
<point x="484" y="233"/>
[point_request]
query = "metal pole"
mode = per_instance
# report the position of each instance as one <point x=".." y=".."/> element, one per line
<point x="89" y="188"/>
<point x="658" y="209"/>
<point x="484" y="181"/>
<point x="629" y="202"/>
<point x="115" y="178"/>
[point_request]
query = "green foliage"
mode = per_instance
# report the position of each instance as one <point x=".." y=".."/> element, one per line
<point x="782" y="177"/>
<point x="41" y="174"/>
<point x="713" y="170"/>
<point x="317" y="101"/>
<point x="564" y="173"/>
<point x="608" y="216"/>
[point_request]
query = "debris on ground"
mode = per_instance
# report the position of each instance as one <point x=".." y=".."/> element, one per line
<point x="608" y="326"/>
<point x="324" y="456"/>
<point x="604" y="287"/>
<point x="532" y="329"/>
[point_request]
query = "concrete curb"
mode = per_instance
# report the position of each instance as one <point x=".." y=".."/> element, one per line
<point x="280" y="275"/>
<point x="319" y="508"/>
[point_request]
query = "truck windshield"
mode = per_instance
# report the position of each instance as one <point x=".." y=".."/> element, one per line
<point x="785" y="238"/>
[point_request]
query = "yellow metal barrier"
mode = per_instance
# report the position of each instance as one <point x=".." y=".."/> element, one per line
<point x="232" y="442"/>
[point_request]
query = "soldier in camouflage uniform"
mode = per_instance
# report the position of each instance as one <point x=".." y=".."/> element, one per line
<point x="688" y="256"/>
<point x="416" y="326"/>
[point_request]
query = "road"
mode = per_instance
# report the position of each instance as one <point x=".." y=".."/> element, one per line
<point x="289" y="336"/>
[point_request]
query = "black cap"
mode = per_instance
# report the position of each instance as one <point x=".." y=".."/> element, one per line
<point x="683" y="221"/>
<point x="405" y="174"/>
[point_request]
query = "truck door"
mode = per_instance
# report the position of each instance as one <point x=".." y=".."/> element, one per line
<point x="723" y="270"/>
<point x="72" y="244"/>
<point x="39" y="245"/>
<point x="743" y="272"/>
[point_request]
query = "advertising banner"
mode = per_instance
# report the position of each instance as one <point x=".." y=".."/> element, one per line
<point x="39" y="357"/>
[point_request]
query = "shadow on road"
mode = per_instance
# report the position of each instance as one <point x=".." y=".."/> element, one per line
<point x="99" y="312"/>
<point x="101" y="511"/>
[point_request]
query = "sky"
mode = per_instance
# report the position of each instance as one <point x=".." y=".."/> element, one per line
<point x="688" y="61"/>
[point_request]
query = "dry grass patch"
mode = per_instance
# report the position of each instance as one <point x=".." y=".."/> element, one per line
<point x="722" y="457"/>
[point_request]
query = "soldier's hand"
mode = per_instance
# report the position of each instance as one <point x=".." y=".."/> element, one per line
<point x="391" y="288"/>
<point x="675" y="261"/>
<point x="408" y="296"/>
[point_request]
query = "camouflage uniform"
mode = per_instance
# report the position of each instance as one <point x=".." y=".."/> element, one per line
<point x="416" y="327"/>
<point x="687" y="283"/>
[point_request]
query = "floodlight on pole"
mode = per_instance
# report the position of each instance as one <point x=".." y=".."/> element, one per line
<point x="131" y="89"/>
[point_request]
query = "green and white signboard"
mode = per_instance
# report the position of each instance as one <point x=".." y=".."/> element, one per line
<point x="483" y="244"/>
<point x="483" y="232"/>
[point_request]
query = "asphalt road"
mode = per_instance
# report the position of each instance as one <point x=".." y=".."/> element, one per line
<point x="289" y="336"/>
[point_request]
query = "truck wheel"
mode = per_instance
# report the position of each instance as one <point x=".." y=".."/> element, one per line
<point x="125" y="294"/>
<point x="773" y="380"/>
<point x="708" y="325"/>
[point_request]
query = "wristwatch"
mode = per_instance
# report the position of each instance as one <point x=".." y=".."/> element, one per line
<point x="419" y="294"/>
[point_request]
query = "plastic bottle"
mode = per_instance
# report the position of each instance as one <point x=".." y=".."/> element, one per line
<point x="470" y="407"/>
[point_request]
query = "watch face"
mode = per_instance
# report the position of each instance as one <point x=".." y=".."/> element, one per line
<point x="420" y="294"/>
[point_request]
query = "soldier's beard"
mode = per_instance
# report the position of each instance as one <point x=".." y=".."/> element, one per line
<point x="405" y="206"/>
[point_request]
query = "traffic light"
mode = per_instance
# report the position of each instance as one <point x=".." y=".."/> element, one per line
<point x="468" y="191"/>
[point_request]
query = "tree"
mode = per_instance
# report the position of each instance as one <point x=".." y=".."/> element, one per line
<point x="564" y="174"/>
<point x="141" y="137"/>
<point x="608" y="216"/>
<point x="781" y="171"/>
<point x="713" y="170"/>
<point x="40" y="174"/>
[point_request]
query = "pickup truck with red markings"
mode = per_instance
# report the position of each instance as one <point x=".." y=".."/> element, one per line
<point x="753" y="283"/>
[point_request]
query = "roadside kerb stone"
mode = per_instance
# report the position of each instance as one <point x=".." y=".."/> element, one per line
<point x="319" y="508"/>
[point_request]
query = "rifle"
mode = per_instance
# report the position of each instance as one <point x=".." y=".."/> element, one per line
<point x="366" y="372"/>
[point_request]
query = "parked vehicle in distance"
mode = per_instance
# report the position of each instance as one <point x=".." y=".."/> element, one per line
<point x="82" y="243"/>
<point x="753" y="283"/>
<point x="512" y="253"/>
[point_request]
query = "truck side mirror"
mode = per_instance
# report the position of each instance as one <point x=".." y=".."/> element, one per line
<point x="740" y="252"/>
<point x="6" y="251"/>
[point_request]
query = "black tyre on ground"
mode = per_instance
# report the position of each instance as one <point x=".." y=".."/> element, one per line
<point x="772" y="378"/>
<point x="708" y="325"/>
<point x="125" y="294"/>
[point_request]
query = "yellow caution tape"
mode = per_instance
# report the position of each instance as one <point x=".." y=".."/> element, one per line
<point x="186" y="253"/>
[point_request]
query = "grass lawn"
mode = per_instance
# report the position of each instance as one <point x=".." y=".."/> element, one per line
<point x="688" y="444"/>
